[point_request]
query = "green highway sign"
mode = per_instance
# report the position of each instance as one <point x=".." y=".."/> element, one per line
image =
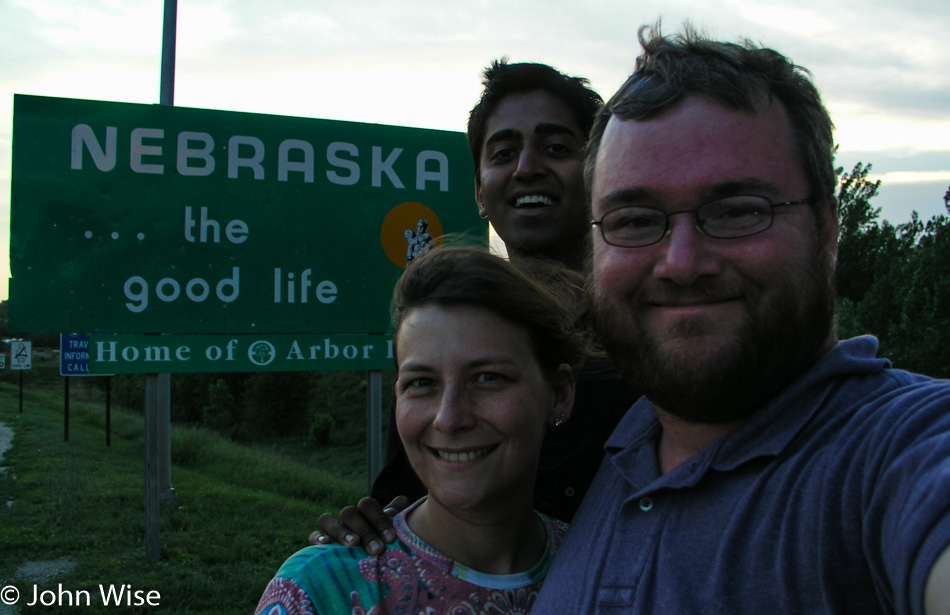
<point x="132" y="218"/>
<point x="173" y="354"/>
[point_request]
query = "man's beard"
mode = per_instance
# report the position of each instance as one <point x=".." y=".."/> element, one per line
<point x="784" y="334"/>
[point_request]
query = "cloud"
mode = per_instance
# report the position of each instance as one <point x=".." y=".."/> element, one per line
<point x="882" y="67"/>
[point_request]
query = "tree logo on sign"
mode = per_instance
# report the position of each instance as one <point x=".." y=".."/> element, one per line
<point x="261" y="353"/>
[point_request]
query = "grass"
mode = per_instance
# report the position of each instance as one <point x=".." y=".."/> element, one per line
<point x="241" y="510"/>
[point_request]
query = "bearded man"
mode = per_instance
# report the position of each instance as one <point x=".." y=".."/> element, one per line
<point x="769" y="468"/>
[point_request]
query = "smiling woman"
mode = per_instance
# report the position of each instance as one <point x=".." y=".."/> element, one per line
<point x="485" y="360"/>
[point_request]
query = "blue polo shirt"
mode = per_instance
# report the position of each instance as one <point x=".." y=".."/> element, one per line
<point x="833" y="498"/>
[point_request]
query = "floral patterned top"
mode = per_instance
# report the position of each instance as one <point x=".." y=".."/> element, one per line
<point x="409" y="578"/>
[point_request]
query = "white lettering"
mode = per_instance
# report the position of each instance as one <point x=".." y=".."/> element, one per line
<point x="158" y="353"/>
<point x="138" y="150"/>
<point x="60" y="597"/>
<point x="169" y="290"/>
<point x="285" y="165"/>
<point x="234" y="282"/>
<point x="197" y="297"/>
<point x="381" y="166"/>
<point x="103" y="355"/>
<point x="231" y="346"/>
<point x="441" y="174"/>
<point x="236" y="231"/>
<point x="125" y="596"/>
<point x="194" y="157"/>
<point x="204" y="153"/>
<point x="326" y="292"/>
<point x="294" y="352"/>
<point x="343" y="163"/>
<point x="253" y="163"/>
<point x="138" y="299"/>
<point x="82" y="134"/>
<point x="166" y="297"/>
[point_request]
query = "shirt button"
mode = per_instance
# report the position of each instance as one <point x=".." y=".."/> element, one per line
<point x="569" y="492"/>
<point x="646" y="504"/>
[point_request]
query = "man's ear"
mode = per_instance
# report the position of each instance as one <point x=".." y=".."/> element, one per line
<point x="830" y="230"/>
<point x="564" y="387"/>
<point x="478" y="199"/>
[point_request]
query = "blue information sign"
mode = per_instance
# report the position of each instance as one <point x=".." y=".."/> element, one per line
<point x="74" y="354"/>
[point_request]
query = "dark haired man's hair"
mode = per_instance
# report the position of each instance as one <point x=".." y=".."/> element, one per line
<point x="502" y="79"/>
<point x="736" y="75"/>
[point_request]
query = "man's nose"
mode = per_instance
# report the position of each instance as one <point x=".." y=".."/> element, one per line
<point x="530" y="164"/>
<point x="686" y="253"/>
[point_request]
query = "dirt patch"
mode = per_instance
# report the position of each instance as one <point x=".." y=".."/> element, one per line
<point x="6" y="436"/>
<point x="33" y="572"/>
<point x="37" y="573"/>
<point x="41" y="572"/>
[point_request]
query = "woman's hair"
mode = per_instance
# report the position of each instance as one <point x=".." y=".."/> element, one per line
<point x="543" y="297"/>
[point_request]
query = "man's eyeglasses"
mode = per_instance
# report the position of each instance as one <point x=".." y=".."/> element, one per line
<point x="729" y="218"/>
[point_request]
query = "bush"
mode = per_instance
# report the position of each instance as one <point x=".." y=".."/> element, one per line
<point x="320" y="427"/>
<point x="276" y="404"/>
<point x="218" y="414"/>
<point x="128" y="391"/>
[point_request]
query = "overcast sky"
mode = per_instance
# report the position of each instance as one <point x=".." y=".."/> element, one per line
<point x="883" y="69"/>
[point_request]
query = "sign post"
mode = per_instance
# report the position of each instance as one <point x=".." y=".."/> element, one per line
<point x="74" y="361"/>
<point x="21" y="358"/>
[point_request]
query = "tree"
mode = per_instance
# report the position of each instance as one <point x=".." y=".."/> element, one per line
<point x="219" y="413"/>
<point x="892" y="281"/>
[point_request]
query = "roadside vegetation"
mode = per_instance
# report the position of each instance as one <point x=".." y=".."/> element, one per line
<point x="242" y="507"/>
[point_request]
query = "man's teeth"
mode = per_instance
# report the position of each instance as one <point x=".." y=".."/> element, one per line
<point x="467" y="456"/>
<point x="536" y="199"/>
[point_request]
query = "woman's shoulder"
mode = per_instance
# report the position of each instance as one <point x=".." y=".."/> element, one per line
<point x="323" y="579"/>
<point x="556" y="530"/>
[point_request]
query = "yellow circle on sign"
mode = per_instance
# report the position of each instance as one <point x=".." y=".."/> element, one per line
<point x="410" y="230"/>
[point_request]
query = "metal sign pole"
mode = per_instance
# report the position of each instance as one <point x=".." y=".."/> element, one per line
<point x="169" y="34"/>
<point x="374" y="427"/>
<point x="158" y="386"/>
<point x="167" y="495"/>
<point x="66" y="413"/>
<point x="108" y="410"/>
<point x="152" y="544"/>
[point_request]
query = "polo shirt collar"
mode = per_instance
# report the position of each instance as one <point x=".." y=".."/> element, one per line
<point x="632" y="446"/>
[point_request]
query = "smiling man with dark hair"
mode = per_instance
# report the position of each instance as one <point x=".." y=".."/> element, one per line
<point x="527" y="136"/>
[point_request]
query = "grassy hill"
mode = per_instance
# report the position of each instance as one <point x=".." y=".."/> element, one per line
<point x="241" y="510"/>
